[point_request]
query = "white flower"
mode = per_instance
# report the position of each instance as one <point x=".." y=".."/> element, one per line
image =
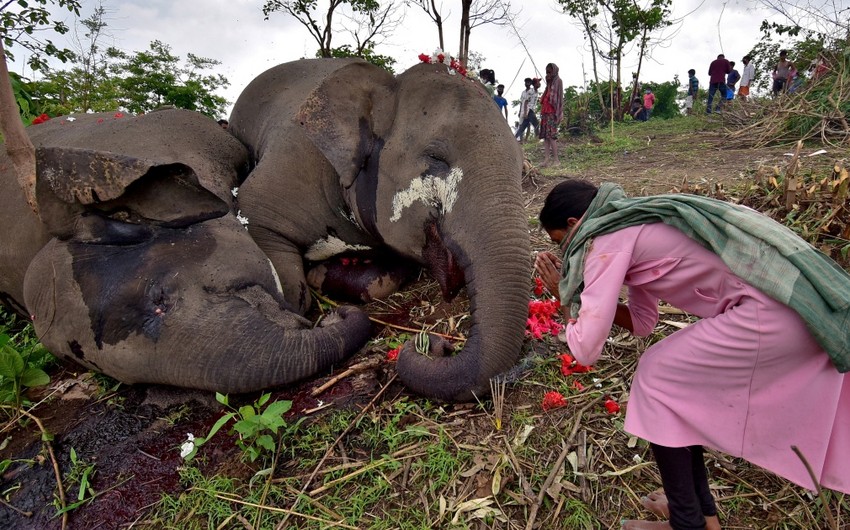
<point x="637" y="459"/>
<point x="242" y="219"/>
<point x="188" y="446"/>
<point x="70" y="118"/>
<point x="235" y="191"/>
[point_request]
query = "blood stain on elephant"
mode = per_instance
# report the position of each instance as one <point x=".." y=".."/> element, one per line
<point x="442" y="262"/>
<point x="124" y="285"/>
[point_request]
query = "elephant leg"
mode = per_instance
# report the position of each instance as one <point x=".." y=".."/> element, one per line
<point x="360" y="277"/>
<point x="287" y="262"/>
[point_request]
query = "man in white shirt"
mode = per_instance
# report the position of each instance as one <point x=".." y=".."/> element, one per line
<point x="749" y="72"/>
<point x="527" y="104"/>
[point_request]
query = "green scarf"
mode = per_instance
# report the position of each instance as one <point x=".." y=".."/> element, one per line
<point x="762" y="252"/>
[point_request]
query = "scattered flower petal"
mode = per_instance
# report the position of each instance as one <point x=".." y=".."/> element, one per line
<point x="188" y="446"/>
<point x="235" y="192"/>
<point x="612" y="406"/>
<point x="41" y="118"/>
<point x="392" y="355"/>
<point x="538" y="287"/>
<point x="553" y="400"/>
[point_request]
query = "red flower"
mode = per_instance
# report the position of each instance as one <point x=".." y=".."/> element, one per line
<point x="540" y="320"/>
<point x="424" y="58"/>
<point x="41" y="118"/>
<point x="440" y="58"/>
<point x="570" y="366"/>
<point x="118" y="115"/>
<point x="612" y="406"/>
<point x="553" y="400"/>
<point x="344" y="261"/>
<point x="392" y="355"/>
<point x="538" y="286"/>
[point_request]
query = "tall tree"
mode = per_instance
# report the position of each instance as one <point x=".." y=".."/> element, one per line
<point x="476" y="13"/>
<point x="613" y="25"/>
<point x="22" y="23"/>
<point x="150" y="79"/>
<point x="371" y="21"/>
<point x="434" y="13"/>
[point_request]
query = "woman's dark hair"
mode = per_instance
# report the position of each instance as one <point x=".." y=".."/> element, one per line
<point x="570" y="198"/>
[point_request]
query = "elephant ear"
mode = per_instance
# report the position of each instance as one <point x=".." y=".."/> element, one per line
<point x="348" y="115"/>
<point x="74" y="182"/>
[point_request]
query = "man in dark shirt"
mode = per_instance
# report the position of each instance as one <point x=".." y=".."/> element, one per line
<point x="717" y="71"/>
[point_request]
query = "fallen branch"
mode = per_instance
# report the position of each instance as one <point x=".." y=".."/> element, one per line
<point x="45" y="438"/>
<point x="829" y="517"/>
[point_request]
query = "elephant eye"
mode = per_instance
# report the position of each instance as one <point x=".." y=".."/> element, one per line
<point x="436" y="166"/>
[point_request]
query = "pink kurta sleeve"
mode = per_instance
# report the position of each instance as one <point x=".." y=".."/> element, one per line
<point x="643" y="308"/>
<point x="604" y="272"/>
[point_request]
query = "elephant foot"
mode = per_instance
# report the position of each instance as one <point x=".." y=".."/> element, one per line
<point x="361" y="277"/>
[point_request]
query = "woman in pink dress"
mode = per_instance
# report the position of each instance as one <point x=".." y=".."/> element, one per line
<point x="747" y="379"/>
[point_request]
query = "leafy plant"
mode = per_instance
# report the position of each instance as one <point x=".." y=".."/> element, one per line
<point x="80" y="475"/>
<point x="20" y="368"/>
<point x="256" y="425"/>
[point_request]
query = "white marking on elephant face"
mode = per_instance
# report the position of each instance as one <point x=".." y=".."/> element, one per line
<point x="276" y="277"/>
<point x="330" y="246"/>
<point x="242" y="219"/>
<point x="430" y="190"/>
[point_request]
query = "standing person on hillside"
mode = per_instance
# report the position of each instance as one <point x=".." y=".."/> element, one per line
<point x="717" y="71"/>
<point x="648" y="102"/>
<point x="500" y="100"/>
<point x="551" y="114"/>
<point x="527" y="106"/>
<point x="747" y="77"/>
<point x="693" y="90"/>
<point x="732" y="80"/>
<point x="782" y="73"/>
<point x="756" y="376"/>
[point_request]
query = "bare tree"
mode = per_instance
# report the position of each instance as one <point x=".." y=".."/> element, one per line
<point x="372" y="20"/>
<point x="476" y="13"/>
<point x="370" y="29"/>
<point x="828" y="18"/>
<point x="434" y="13"/>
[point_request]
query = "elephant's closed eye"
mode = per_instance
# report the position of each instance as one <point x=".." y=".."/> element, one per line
<point x="437" y="167"/>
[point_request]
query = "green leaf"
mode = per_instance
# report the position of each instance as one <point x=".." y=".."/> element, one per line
<point x="247" y="412"/>
<point x="278" y="408"/>
<point x="263" y="399"/>
<point x="266" y="442"/>
<point x="11" y="363"/>
<point x="215" y="428"/>
<point x="221" y="398"/>
<point x="34" y="377"/>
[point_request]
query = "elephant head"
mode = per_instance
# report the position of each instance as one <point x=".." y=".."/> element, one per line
<point x="349" y="157"/>
<point x="148" y="275"/>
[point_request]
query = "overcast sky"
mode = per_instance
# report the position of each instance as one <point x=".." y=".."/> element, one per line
<point x="235" y="33"/>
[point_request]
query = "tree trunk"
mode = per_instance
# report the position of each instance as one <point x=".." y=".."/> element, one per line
<point x="463" y="48"/>
<point x="18" y="145"/>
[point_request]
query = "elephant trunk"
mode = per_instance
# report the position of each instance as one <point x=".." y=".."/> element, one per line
<point x="492" y="248"/>
<point x="254" y="352"/>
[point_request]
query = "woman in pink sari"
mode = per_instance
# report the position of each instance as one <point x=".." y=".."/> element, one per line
<point x="551" y="114"/>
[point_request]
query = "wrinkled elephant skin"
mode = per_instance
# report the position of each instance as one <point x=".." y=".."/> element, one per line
<point x="422" y="167"/>
<point x="140" y="268"/>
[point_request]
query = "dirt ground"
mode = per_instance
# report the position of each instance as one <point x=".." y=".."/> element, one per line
<point x="133" y="434"/>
